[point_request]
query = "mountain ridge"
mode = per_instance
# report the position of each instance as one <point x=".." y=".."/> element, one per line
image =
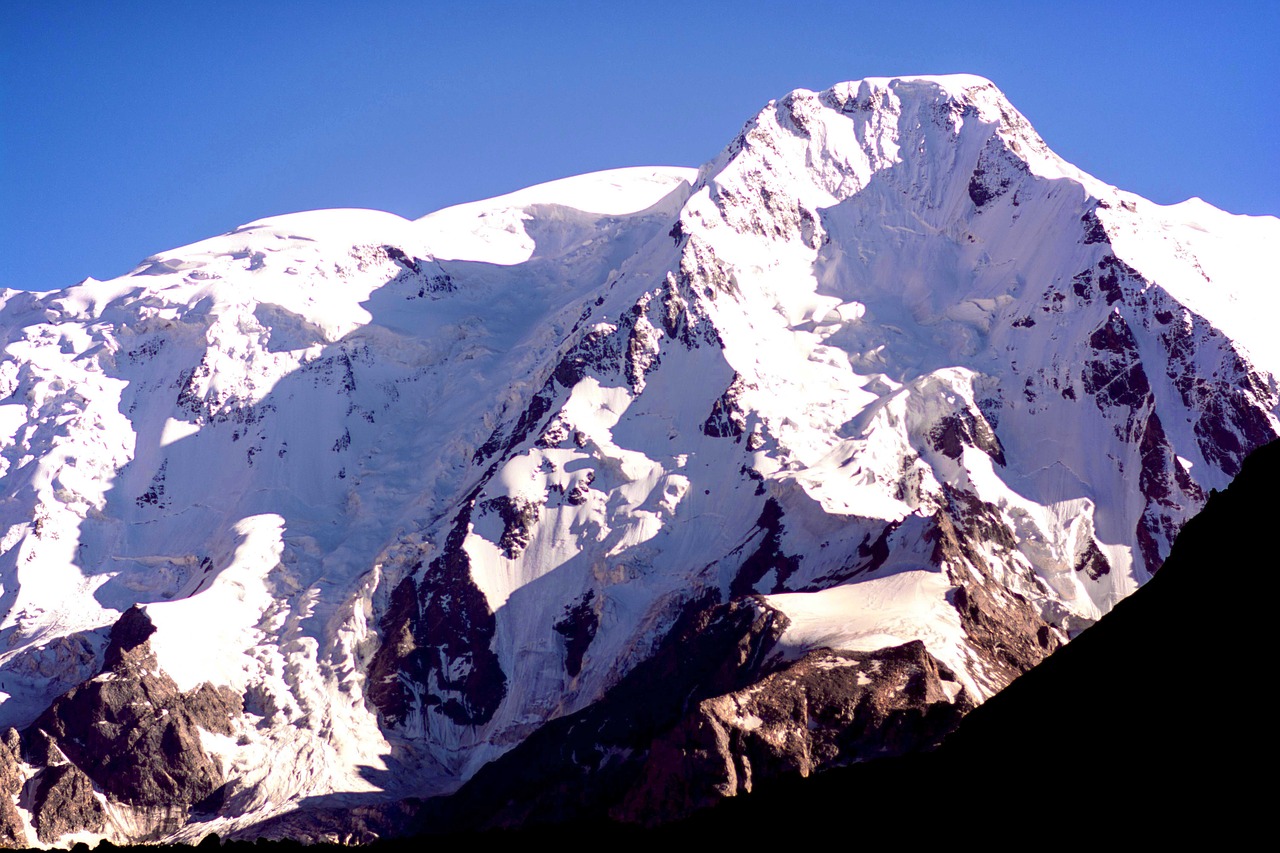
<point x="885" y="367"/>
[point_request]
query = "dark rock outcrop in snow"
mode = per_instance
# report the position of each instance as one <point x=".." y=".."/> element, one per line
<point x="975" y="547"/>
<point x="707" y="717"/>
<point x="131" y="730"/>
<point x="436" y="642"/>
<point x="63" y="802"/>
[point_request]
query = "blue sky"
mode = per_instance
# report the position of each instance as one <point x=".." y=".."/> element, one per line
<point x="130" y="128"/>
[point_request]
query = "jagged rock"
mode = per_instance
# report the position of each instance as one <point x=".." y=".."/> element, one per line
<point x="519" y="518"/>
<point x="709" y="716"/>
<point x="212" y="708"/>
<point x="767" y="557"/>
<point x="63" y="802"/>
<point x="12" y="832"/>
<point x="953" y="433"/>
<point x="1054" y="728"/>
<point x="999" y="620"/>
<point x="127" y="644"/>
<point x="581" y="765"/>
<point x="998" y="169"/>
<point x="385" y="690"/>
<point x="578" y="627"/>
<point x="1091" y="560"/>
<point x="40" y="750"/>
<point x="828" y="708"/>
<point x="577" y="495"/>
<point x="437" y="635"/>
<point x="727" y="418"/>
<point x="131" y="730"/>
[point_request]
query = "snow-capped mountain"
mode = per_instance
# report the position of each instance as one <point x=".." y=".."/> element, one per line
<point x="784" y="462"/>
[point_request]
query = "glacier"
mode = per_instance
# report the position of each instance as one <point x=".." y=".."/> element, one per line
<point x="886" y="370"/>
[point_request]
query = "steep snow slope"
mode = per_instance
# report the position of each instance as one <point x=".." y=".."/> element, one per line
<point x="414" y="489"/>
<point x="228" y="443"/>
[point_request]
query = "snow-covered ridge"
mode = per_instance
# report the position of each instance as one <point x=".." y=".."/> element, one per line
<point x="415" y="488"/>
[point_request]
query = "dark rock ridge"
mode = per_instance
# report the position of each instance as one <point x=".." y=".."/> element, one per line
<point x="436" y="636"/>
<point x="711" y="713"/>
<point x="1227" y="405"/>
<point x="64" y="802"/>
<point x="581" y="765"/>
<point x="578" y="627"/>
<point x="728" y="418"/>
<point x="519" y="518"/>
<point x="129" y="733"/>
<point x="963" y="429"/>
<point x="1131" y="706"/>
<point x="12" y="832"/>
<point x="979" y="553"/>
<point x="998" y="171"/>
<point x="767" y="556"/>
<point x="828" y="708"/>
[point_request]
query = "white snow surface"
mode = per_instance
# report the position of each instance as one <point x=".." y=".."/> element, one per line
<point x="875" y="614"/>
<point x="258" y="435"/>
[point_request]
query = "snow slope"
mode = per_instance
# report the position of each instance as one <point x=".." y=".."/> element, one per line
<point x="886" y="360"/>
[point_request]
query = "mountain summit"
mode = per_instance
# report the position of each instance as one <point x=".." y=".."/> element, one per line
<point x="609" y="497"/>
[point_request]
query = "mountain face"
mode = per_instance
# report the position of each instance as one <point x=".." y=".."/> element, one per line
<point x="609" y="498"/>
<point x="1186" y="764"/>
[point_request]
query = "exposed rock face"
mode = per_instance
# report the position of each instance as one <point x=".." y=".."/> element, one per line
<point x="1056" y="725"/>
<point x="581" y="765"/>
<point x="828" y="708"/>
<point x="519" y="518"/>
<point x="131" y="731"/>
<point x="439" y="655"/>
<point x="965" y="429"/>
<point x="384" y="688"/>
<point x="578" y="627"/>
<point x="12" y="832"/>
<point x="978" y="551"/>
<point x="727" y="418"/>
<point x="709" y="716"/>
<point x="998" y="172"/>
<point x="766" y="562"/>
<point x="64" y="802"/>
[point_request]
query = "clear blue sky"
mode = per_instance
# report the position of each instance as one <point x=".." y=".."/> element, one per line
<point x="130" y="128"/>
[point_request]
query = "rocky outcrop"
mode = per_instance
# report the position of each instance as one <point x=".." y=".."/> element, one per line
<point x="728" y="416"/>
<point x="436" y="641"/>
<point x="63" y="802"/>
<point x="710" y="715"/>
<point x="998" y="170"/>
<point x="581" y="765"/>
<point x="954" y="432"/>
<point x="578" y="627"/>
<point x="1190" y="755"/>
<point x="828" y="708"/>
<point x="131" y="731"/>
<point x="519" y="518"/>
<point x="766" y="563"/>
<point x="1115" y="377"/>
<point x="975" y="547"/>
<point x="12" y="832"/>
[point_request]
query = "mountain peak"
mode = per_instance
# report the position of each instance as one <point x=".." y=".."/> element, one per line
<point x="969" y="88"/>
<point x="885" y="395"/>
